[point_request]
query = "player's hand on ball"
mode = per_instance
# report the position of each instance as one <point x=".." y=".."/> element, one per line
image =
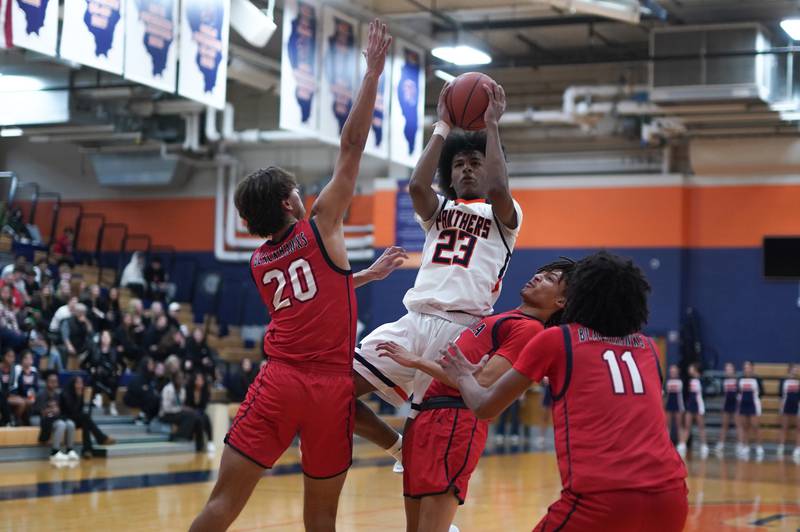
<point x="378" y="45"/>
<point x="442" y="112"/>
<point x="497" y="103"/>
<point x="397" y="353"/>
<point x="389" y="261"/>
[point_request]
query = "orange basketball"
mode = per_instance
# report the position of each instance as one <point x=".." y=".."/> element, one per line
<point x="467" y="100"/>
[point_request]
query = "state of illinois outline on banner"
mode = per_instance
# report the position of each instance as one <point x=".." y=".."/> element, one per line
<point x="340" y="40"/>
<point x="378" y="140"/>
<point x="300" y="66"/>
<point x="408" y="103"/>
<point x="94" y="33"/>
<point x="151" y="43"/>
<point x="203" y="73"/>
<point x="35" y="25"/>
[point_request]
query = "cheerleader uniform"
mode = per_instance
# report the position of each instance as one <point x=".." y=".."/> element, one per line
<point x="694" y="401"/>
<point x="750" y="396"/>
<point x="790" y="396"/>
<point x="675" y="395"/>
<point x="730" y="387"/>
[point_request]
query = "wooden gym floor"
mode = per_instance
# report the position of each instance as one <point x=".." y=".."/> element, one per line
<point x="508" y="493"/>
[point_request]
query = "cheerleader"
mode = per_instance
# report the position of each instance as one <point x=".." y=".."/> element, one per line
<point x="674" y="406"/>
<point x="730" y="387"/>
<point x="695" y="410"/>
<point x="790" y="398"/>
<point x="749" y="403"/>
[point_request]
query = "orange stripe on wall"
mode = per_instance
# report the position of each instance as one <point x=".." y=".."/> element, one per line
<point x="613" y="217"/>
<point x="385" y="218"/>
<point x="741" y="216"/>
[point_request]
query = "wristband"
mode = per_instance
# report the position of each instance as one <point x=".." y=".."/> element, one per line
<point x="441" y="129"/>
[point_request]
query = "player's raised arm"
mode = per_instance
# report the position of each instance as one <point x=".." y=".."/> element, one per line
<point x="335" y="198"/>
<point x="421" y="185"/>
<point x="497" y="189"/>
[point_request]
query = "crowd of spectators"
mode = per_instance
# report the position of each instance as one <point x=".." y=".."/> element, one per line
<point x="83" y="337"/>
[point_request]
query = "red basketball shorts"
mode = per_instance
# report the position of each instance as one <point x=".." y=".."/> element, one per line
<point x="286" y="400"/>
<point x="620" y="511"/>
<point x="441" y="449"/>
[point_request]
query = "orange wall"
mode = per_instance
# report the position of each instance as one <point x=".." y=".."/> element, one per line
<point x="669" y="216"/>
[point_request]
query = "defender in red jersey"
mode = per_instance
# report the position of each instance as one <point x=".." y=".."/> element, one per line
<point x="445" y="441"/>
<point x="303" y="276"/>
<point x="619" y="470"/>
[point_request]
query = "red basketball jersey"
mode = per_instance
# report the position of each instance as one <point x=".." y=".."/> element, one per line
<point x="504" y="334"/>
<point x="610" y="429"/>
<point x="310" y="300"/>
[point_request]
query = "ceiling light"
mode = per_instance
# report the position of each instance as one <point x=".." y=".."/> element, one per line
<point x="792" y="27"/>
<point x="444" y="76"/>
<point x="461" y="55"/>
<point x="20" y="84"/>
<point x="10" y="132"/>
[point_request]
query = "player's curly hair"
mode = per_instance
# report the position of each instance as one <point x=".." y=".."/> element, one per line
<point x="565" y="265"/>
<point x="457" y="142"/>
<point x="258" y="199"/>
<point x="608" y="294"/>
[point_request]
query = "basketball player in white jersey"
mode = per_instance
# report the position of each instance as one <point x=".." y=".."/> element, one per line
<point x="471" y="227"/>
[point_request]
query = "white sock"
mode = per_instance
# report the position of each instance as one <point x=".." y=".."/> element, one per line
<point x="396" y="450"/>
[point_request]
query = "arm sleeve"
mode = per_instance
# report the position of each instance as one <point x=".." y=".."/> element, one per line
<point x="514" y="336"/>
<point x="427" y="224"/>
<point x="539" y="358"/>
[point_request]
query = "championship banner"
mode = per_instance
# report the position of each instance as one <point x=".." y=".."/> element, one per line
<point x="339" y="72"/>
<point x="300" y="66"/>
<point x="205" y="25"/>
<point x="378" y="141"/>
<point x="408" y="103"/>
<point x="93" y="33"/>
<point x="151" y="48"/>
<point x="35" y="25"/>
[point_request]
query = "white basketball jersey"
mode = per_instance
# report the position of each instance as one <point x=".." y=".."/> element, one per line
<point x="467" y="251"/>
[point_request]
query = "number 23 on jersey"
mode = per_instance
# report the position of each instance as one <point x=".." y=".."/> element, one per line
<point x="300" y="277"/>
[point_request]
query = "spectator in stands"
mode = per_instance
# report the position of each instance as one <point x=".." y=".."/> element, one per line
<point x="199" y="355"/>
<point x="790" y="404"/>
<point x="98" y="306"/>
<point x="64" y="245"/>
<point x="76" y="332"/>
<point x="8" y="269"/>
<point x="750" y="391"/>
<point x="175" y="412"/>
<point x="26" y="387"/>
<point x="174" y="343"/>
<point x="114" y="315"/>
<point x="158" y="287"/>
<point x="61" y="315"/>
<point x="142" y="390"/>
<point x="133" y="276"/>
<point x="158" y="331"/>
<point x="129" y="338"/>
<point x="63" y="293"/>
<point x="8" y="381"/>
<point x="45" y="303"/>
<point x="29" y="279"/>
<point x="173" y="315"/>
<point x="105" y="367"/>
<point x="15" y="224"/>
<point x="52" y="424"/>
<point x="241" y="379"/>
<point x="197" y="398"/>
<point x="43" y="271"/>
<point x="71" y="404"/>
<point x="10" y="334"/>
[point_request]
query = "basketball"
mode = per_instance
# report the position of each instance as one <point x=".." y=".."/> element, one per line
<point x="467" y="100"/>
